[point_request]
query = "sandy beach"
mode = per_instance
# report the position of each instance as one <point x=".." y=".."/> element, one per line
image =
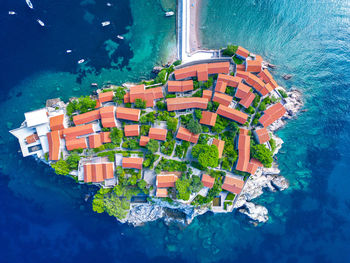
<point x="194" y="25"/>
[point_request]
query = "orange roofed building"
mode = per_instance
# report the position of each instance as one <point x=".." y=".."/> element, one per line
<point x="262" y="135"/>
<point x="107" y="117"/>
<point x="186" y="135"/>
<point x="128" y="114"/>
<point x="201" y="71"/>
<point x="105" y="96"/>
<point x="74" y="143"/>
<point x="32" y="138"/>
<point x="132" y="162"/>
<point x="148" y="95"/>
<point x="78" y="130"/>
<point x="208" y="118"/>
<point x="207" y="94"/>
<point x="186" y="103"/>
<point x="233" y="185"/>
<point x="253" y="66"/>
<point x="54" y="145"/>
<point x="242" y="91"/>
<point x="180" y="86"/>
<point x="272" y="114"/>
<point x="247" y="100"/>
<point x="132" y="130"/>
<point x="208" y="181"/>
<point x="232" y="114"/>
<point x="86" y="117"/>
<point x="57" y="122"/>
<point x="157" y="134"/>
<point x="162" y="192"/>
<point x="220" y="144"/>
<point x="105" y="137"/>
<point x="98" y="172"/>
<point x="144" y="140"/>
<point x="226" y="80"/>
<point x="166" y="180"/>
<point x="222" y="98"/>
<point x="242" y="52"/>
<point x="266" y="76"/>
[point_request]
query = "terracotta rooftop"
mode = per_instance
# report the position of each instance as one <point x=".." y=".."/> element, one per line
<point x="127" y="97"/>
<point x="78" y="130"/>
<point x="220" y="145"/>
<point x="144" y="140"/>
<point x="242" y="90"/>
<point x="132" y="162"/>
<point x="54" y="145"/>
<point x="247" y="100"/>
<point x="208" y="181"/>
<point x="222" y="98"/>
<point x="180" y="86"/>
<point x="86" y="117"/>
<point x="208" y="118"/>
<point x="253" y="65"/>
<point x="157" y="134"/>
<point x="162" y="192"/>
<point x="74" y="143"/>
<point x="98" y="172"/>
<point x="266" y="76"/>
<point x="231" y="81"/>
<point x="221" y="86"/>
<point x="272" y="114"/>
<point x="186" y="135"/>
<point x="242" y="52"/>
<point x="132" y="130"/>
<point x="207" y="94"/>
<point x="95" y="141"/>
<point x="105" y="137"/>
<point x="233" y="185"/>
<point x="243" y="151"/>
<point x="266" y="89"/>
<point x="105" y="96"/>
<point x="148" y="95"/>
<point x="128" y="114"/>
<point x="232" y="114"/>
<point x="107" y="117"/>
<point x="186" y="103"/>
<point x="201" y="71"/>
<point x="242" y="74"/>
<point x="167" y="180"/>
<point x="240" y="67"/>
<point x="32" y="138"/>
<point x="57" y="122"/>
<point x="254" y="81"/>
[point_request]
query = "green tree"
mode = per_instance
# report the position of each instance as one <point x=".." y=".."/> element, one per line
<point x="73" y="161"/>
<point x="230" y="50"/>
<point x="140" y="103"/>
<point x="208" y="156"/>
<point x="152" y="146"/>
<point x="116" y="136"/>
<point x="119" y="95"/>
<point x="161" y="105"/>
<point x="172" y="124"/>
<point x="194" y="126"/>
<point x="61" y="167"/>
<point x="183" y="188"/>
<point x="261" y="153"/>
<point x="198" y="114"/>
<point x="196" y="184"/>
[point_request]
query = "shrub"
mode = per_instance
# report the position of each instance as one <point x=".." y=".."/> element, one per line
<point x="230" y="50"/>
<point x="161" y="105"/>
<point x="83" y="104"/>
<point x="172" y="124"/>
<point x="207" y="156"/>
<point x="152" y="146"/>
<point x="116" y="136"/>
<point x="119" y="95"/>
<point x="167" y="147"/>
<point x="194" y="126"/>
<point x="198" y="114"/>
<point x="61" y="167"/>
<point x="183" y="188"/>
<point x="283" y="93"/>
<point x="177" y="63"/>
<point x="73" y="161"/>
<point x="261" y="153"/>
<point x="140" y="103"/>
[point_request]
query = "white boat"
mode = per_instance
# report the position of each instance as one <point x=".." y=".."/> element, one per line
<point x="170" y="13"/>
<point x="29" y="4"/>
<point x="68" y="51"/>
<point x="120" y="37"/>
<point x="40" y="22"/>
<point x="81" y="61"/>
<point x="106" y="23"/>
<point x="109" y="4"/>
<point x="12" y="13"/>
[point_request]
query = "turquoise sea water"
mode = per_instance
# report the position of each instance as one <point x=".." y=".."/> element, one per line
<point x="43" y="217"/>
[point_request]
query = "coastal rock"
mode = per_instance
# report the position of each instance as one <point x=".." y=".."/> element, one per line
<point x="53" y="102"/>
<point x="255" y="212"/>
<point x="156" y="69"/>
<point x="280" y="183"/>
<point x="287" y="76"/>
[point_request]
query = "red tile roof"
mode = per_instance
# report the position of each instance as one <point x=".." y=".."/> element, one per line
<point x="242" y="74"/>
<point x="32" y="138"/>
<point x="186" y="135"/>
<point x="262" y="135"/>
<point x="266" y="89"/>
<point x="208" y="181"/>
<point x="54" y="145"/>
<point x="180" y="86"/>
<point x="105" y="137"/>
<point x="105" y="96"/>
<point x="98" y="172"/>
<point x="186" y="103"/>
<point x="231" y="81"/>
<point x="208" y="118"/>
<point x="201" y="71"/>
<point x="86" y="117"/>
<point x="78" y="130"/>
<point x="243" y="151"/>
<point x="148" y="95"/>
<point x="272" y="114"/>
<point x="57" y="122"/>
<point x="162" y="192"/>
<point x="233" y="185"/>
<point x="144" y="140"/>
<point x="128" y="114"/>
<point x="242" y="91"/>
<point x="222" y="98"/>
<point x="232" y="114"/>
<point x="127" y="97"/>
<point x="254" y="81"/>
<point x="253" y="65"/>
<point x="167" y="180"/>
<point x="221" y="86"/>
<point x="107" y="117"/>
<point x="95" y="141"/>
<point x="157" y="134"/>
<point x="266" y="76"/>
<point x="242" y="52"/>
<point x="207" y="94"/>
<point x="247" y="100"/>
<point x="132" y="130"/>
<point x="132" y="162"/>
<point x="220" y="145"/>
<point x="240" y="67"/>
<point x="74" y="143"/>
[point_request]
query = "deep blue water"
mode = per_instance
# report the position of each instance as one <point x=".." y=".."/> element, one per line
<point x="43" y="217"/>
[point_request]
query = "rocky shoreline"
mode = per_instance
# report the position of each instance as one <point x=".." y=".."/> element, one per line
<point x="266" y="179"/>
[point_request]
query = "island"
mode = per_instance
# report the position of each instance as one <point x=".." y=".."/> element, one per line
<point x="196" y="138"/>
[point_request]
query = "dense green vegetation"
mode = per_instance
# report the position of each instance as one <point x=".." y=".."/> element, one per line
<point x="140" y="103"/>
<point x="261" y="153"/>
<point x="82" y="105"/>
<point x="207" y="156"/>
<point x="73" y="161"/>
<point x="283" y="93"/>
<point x="181" y="149"/>
<point x="148" y="118"/>
<point x="172" y="124"/>
<point x="119" y="95"/>
<point x="116" y="136"/>
<point x="61" y="167"/>
<point x="152" y="146"/>
<point x="230" y="50"/>
<point x="167" y="147"/>
<point x="171" y="166"/>
<point x="131" y="144"/>
<point x="187" y="185"/>
<point x="194" y="126"/>
<point x="149" y="160"/>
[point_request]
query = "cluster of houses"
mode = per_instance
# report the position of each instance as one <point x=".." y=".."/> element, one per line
<point x="45" y="132"/>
